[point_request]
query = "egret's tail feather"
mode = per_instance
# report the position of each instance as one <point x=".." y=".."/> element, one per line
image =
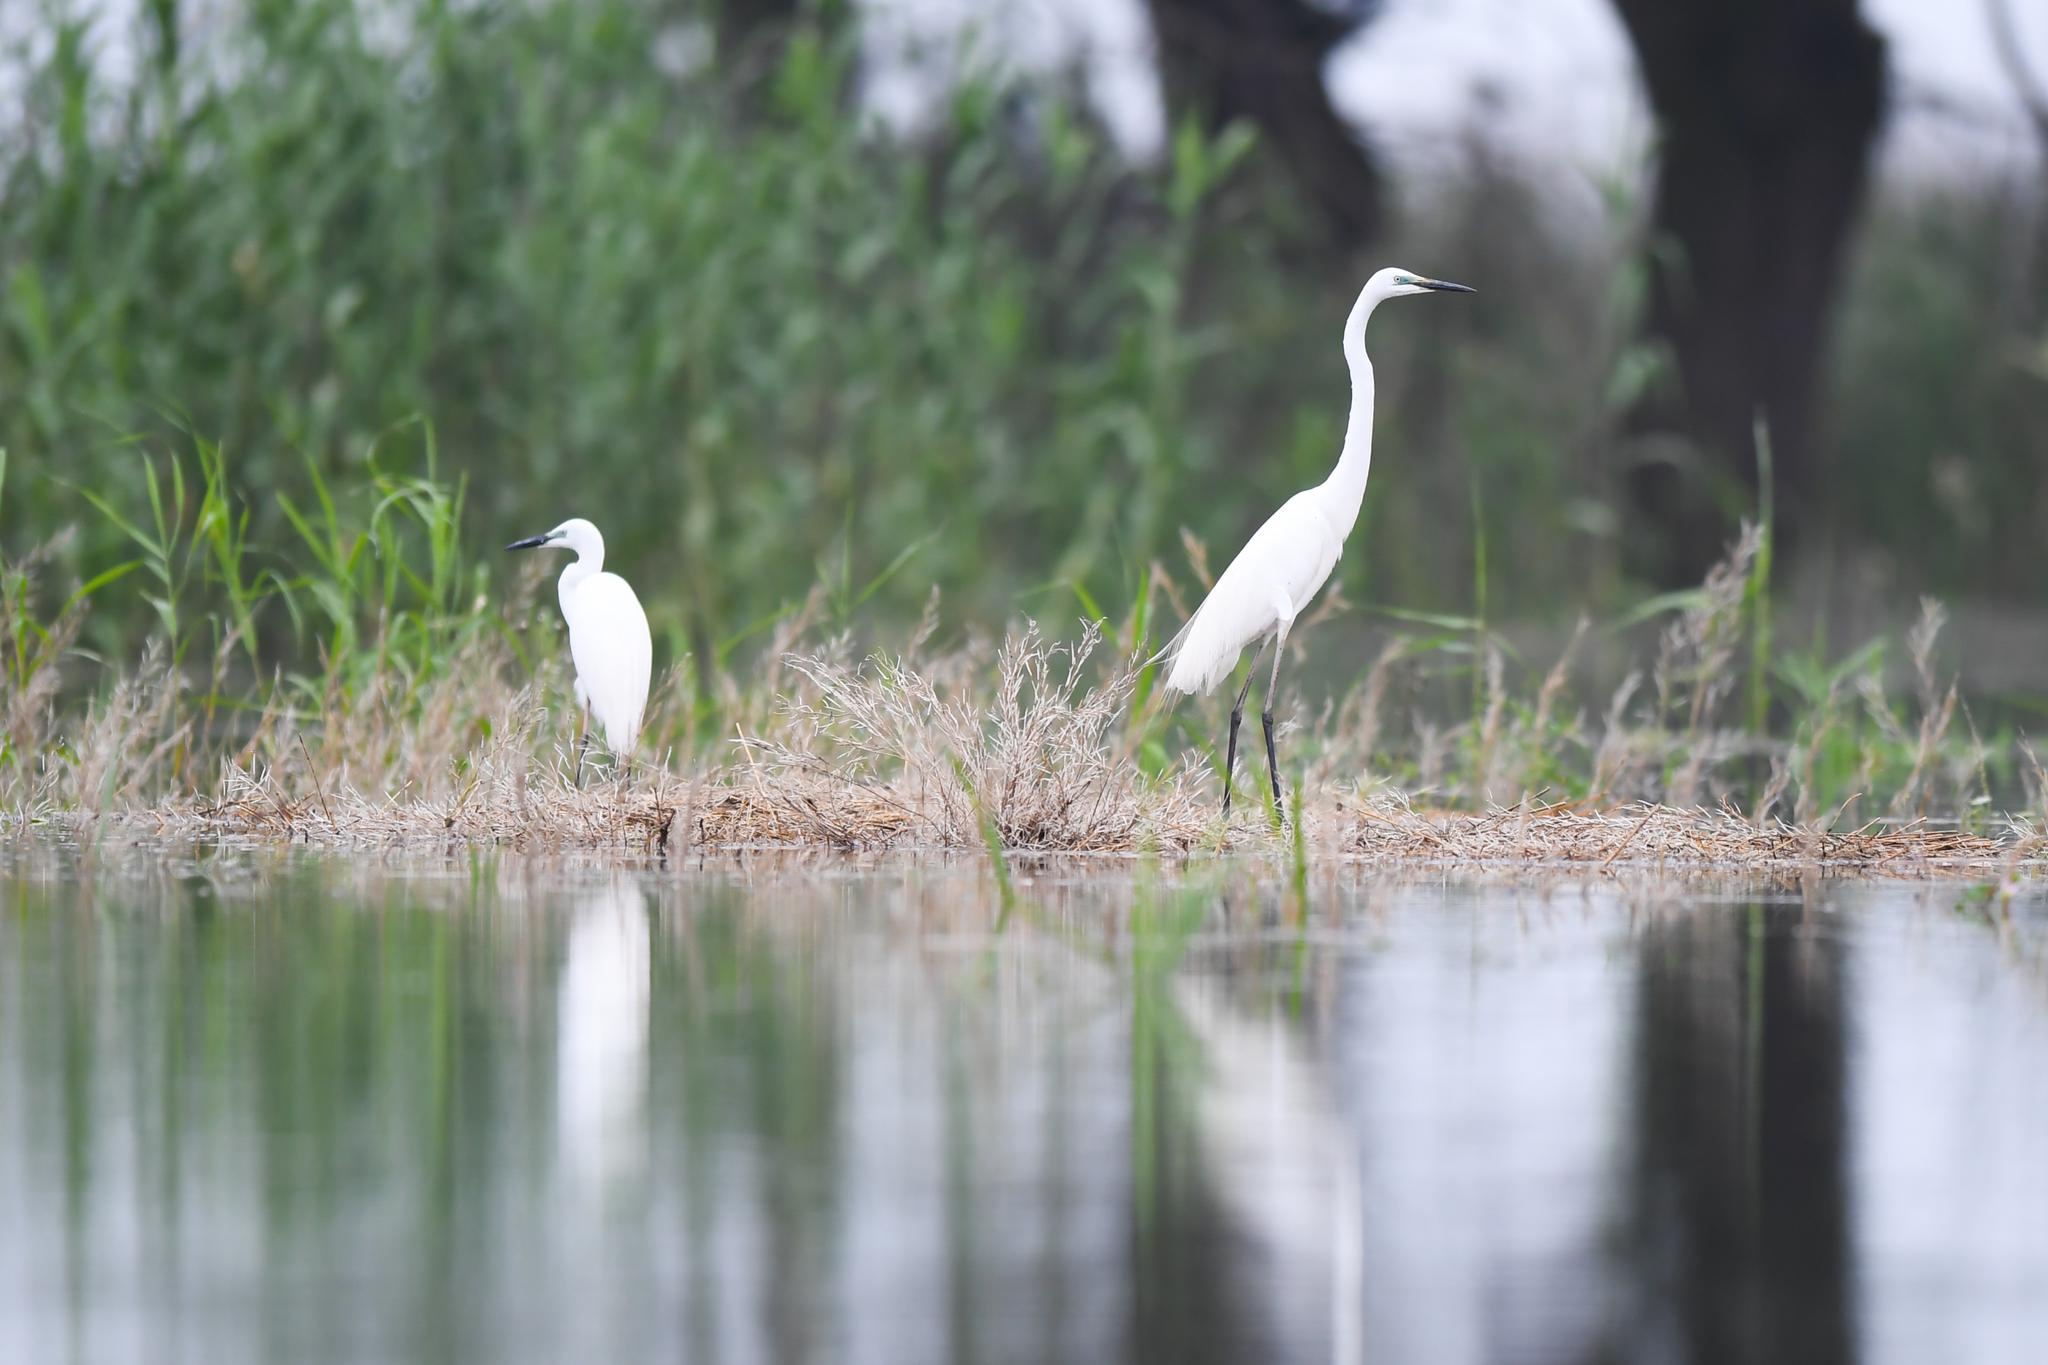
<point x="1169" y="647"/>
<point x="1171" y="652"/>
<point x="1205" y="651"/>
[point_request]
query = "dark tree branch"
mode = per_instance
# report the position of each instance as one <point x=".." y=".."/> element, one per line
<point x="1262" y="61"/>
<point x="745" y="24"/>
<point x="752" y="36"/>
<point x="2033" y="97"/>
<point x="2005" y="39"/>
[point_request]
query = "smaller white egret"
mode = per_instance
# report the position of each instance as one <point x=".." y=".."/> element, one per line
<point x="608" y="638"/>
<point x="1287" y="561"/>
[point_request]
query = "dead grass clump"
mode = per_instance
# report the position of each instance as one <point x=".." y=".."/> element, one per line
<point x="500" y="804"/>
<point x="886" y="750"/>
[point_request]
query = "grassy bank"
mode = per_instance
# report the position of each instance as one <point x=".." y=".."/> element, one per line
<point x="296" y="329"/>
<point x="434" y="705"/>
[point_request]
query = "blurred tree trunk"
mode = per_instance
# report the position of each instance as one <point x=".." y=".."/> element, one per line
<point x="1262" y="61"/>
<point x="1766" y="110"/>
<point x="742" y="24"/>
<point x="2033" y="97"/>
<point x="163" y="23"/>
<point x="752" y="35"/>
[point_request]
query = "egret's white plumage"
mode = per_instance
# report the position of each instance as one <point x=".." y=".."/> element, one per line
<point x="1287" y="560"/>
<point x="608" y="636"/>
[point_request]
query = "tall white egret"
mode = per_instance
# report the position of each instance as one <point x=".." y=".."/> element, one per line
<point x="1287" y="561"/>
<point x="608" y="637"/>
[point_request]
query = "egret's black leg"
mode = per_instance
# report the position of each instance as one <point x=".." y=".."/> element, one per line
<point x="582" y="749"/>
<point x="1272" y="760"/>
<point x="1266" y="719"/>
<point x="1236" y="719"/>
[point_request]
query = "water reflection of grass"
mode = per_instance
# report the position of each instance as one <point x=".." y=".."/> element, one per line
<point x="310" y="1028"/>
<point x="1167" y="1062"/>
<point x="1159" y="922"/>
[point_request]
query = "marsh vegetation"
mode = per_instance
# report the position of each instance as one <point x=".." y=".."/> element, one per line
<point x="439" y="711"/>
<point x="356" y="305"/>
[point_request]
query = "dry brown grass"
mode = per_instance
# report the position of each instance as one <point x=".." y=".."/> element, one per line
<point x="930" y="753"/>
<point x="666" y="815"/>
<point x="884" y="756"/>
<point x="1033" y="745"/>
<point x="1671" y="836"/>
<point x="657" y="813"/>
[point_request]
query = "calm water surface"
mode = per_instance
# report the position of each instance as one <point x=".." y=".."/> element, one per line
<point x="259" y="1106"/>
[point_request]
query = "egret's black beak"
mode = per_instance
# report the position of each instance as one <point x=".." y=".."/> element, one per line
<point x="1446" y="287"/>
<point x="531" y="542"/>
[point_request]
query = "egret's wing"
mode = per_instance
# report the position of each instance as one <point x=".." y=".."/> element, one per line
<point x="614" y="654"/>
<point x="1284" y="562"/>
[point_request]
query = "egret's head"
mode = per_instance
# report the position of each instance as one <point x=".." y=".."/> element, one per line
<point x="574" y="534"/>
<point x="1393" y="282"/>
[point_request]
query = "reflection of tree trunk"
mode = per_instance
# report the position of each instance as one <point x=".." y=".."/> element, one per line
<point x="1738" y="1225"/>
<point x="1280" y="1174"/>
<point x="1262" y="61"/>
<point x="1767" y="110"/>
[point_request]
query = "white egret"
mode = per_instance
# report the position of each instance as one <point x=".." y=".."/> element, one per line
<point x="1287" y="561"/>
<point x="608" y="637"/>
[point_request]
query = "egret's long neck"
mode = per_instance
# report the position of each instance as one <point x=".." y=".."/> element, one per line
<point x="1344" y="490"/>
<point x="589" y="562"/>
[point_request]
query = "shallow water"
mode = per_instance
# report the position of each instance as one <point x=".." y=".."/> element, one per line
<point x="275" y="1106"/>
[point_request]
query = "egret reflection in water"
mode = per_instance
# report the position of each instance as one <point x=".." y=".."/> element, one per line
<point x="601" y="1026"/>
<point x="1284" y="1164"/>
